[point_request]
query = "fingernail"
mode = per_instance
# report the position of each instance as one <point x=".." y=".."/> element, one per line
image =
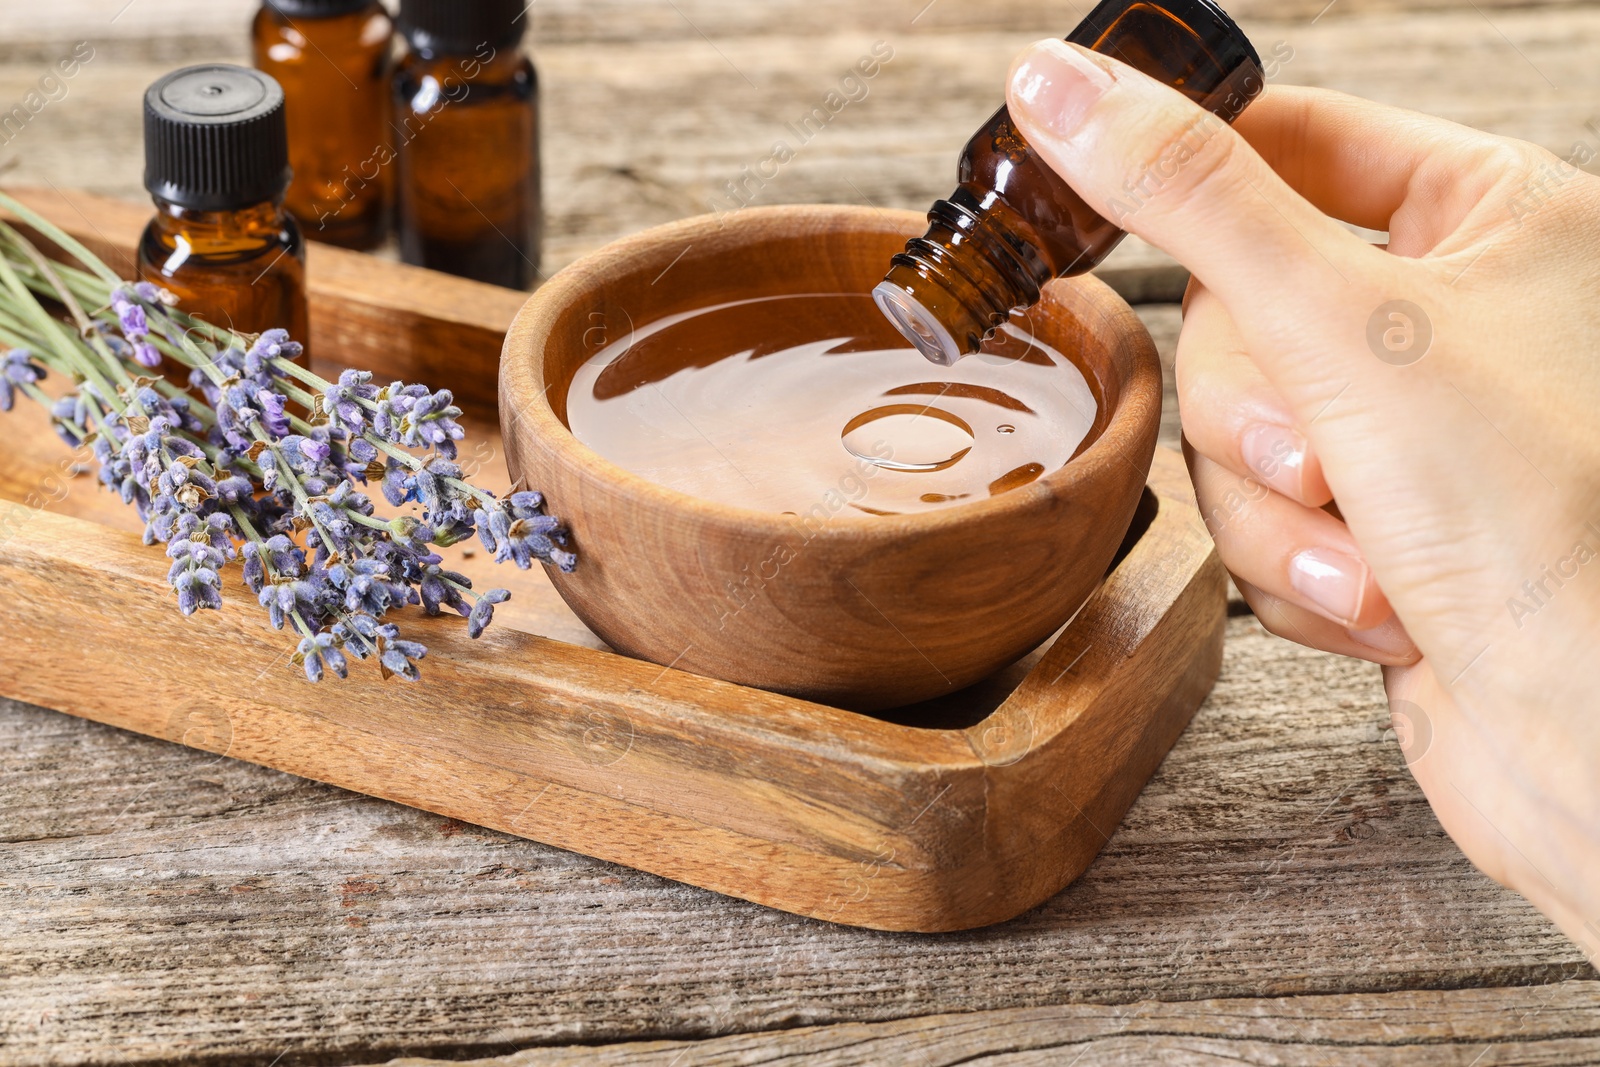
<point x="1056" y="85"/>
<point x="1276" y="455"/>
<point x="1389" y="638"/>
<point x="1334" y="582"/>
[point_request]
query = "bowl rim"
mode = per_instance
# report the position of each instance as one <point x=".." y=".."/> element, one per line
<point x="522" y="373"/>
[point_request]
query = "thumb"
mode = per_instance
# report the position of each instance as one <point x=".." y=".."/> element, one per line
<point x="1159" y="166"/>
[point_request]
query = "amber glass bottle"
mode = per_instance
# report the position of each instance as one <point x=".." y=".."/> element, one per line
<point x="467" y="125"/>
<point x="217" y="164"/>
<point x="1014" y="224"/>
<point x="332" y="58"/>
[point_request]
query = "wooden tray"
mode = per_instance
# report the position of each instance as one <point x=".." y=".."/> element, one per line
<point x="999" y="797"/>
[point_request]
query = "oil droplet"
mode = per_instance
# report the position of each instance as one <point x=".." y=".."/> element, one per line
<point x="1005" y="428"/>
<point x="942" y="498"/>
<point x="1014" y="479"/>
<point x="908" y="437"/>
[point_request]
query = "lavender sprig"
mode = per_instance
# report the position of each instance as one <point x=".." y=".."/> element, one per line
<point x="262" y="461"/>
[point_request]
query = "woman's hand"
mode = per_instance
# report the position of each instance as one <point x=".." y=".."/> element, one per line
<point x="1445" y="392"/>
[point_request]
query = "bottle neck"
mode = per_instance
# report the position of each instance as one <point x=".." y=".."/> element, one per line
<point x="293" y="9"/>
<point x="964" y="276"/>
<point x="220" y="232"/>
<point x="492" y="59"/>
<point x="469" y="77"/>
<point x="354" y="21"/>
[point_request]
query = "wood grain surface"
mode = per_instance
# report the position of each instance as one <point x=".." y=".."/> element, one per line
<point x="1526" y="1027"/>
<point x="166" y="905"/>
<point x="158" y="906"/>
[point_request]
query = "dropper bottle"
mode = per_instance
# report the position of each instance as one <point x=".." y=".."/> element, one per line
<point x="1013" y="224"/>
<point x="217" y="164"/>
<point x="332" y="59"/>
<point x="466" y="100"/>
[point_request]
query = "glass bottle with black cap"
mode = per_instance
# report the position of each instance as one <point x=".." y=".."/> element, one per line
<point x="217" y="164"/>
<point x="1013" y="224"/>
<point x="333" y="59"/>
<point x="467" y="132"/>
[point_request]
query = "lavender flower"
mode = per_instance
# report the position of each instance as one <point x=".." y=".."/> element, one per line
<point x="362" y="451"/>
<point x="123" y="471"/>
<point x="135" y="324"/>
<point x="396" y="657"/>
<point x="310" y="597"/>
<point x="238" y="468"/>
<point x="16" y="368"/>
<point x="273" y="412"/>
<point x="306" y="454"/>
<point x="432" y="482"/>
<point x="518" y="529"/>
<point x="358" y="634"/>
<point x="254" y="569"/>
<point x="216" y="530"/>
<point x="412" y="416"/>
<point x="441" y="587"/>
<point x="399" y="484"/>
<point x="318" y="651"/>
<point x="276" y="557"/>
<point x="235" y="489"/>
<point x="336" y="517"/>
<point x="345" y="401"/>
<point x="70" y="417"/>
<point x="272" y="345"/>
<point x="130" y="314"/>
<point x="193" y="575"/>
<point x="229" y="366"/>
<point x="366" y="587"/>
<point x="483" y="611"/>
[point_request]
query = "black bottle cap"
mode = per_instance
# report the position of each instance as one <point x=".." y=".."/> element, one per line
<point x="317" y="9"/>
<point x="461" y="26"/>
<point x="215" y="138"/>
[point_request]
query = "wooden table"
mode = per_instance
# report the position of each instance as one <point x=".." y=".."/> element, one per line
<point x="1280" y="894"/>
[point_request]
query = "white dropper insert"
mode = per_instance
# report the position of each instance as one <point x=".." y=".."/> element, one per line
<point x="916" y="324"/>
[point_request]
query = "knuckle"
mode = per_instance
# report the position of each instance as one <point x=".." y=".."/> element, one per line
<point x="1196" y="154"/>
<point x="1215" y="171"/>
<point x="1273" y="615"/>
<point x="1511" y="158"/>
<point x="1200" y="161"/>
<point x="1206" y="364"/>
<point x="1202" y="411"/>
<point x="1229" y="504"/>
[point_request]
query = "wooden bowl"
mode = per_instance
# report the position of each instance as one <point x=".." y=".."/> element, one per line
<point x="872" y="611"/>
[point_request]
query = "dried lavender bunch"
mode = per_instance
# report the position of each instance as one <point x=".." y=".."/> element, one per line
<point x="261" y="461"/>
